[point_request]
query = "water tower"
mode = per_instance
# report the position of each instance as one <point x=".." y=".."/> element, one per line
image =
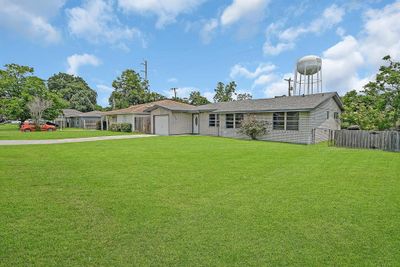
<point x="308" y="76"/>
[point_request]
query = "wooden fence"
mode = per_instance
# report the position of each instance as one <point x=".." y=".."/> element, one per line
<point x="142" y="124"/>
<point x="384" y="140"/>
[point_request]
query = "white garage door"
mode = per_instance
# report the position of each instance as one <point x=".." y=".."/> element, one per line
<point x="161" y="125"/>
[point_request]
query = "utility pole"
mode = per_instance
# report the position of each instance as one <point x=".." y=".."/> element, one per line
<point x="144" y="63"/>
<point x="289" y="85"/>
<point x="145" y="69"/>
<point x="174" y="89"/>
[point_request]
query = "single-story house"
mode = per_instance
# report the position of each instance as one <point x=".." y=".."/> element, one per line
<point x="77" y="119"/>
<point x="140" y="118"/>
<point x="301" y="119"/>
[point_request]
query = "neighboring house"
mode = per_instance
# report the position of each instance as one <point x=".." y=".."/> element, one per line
<point x="76" y="119"/>
<point x="91" y="119"/>
<point x="139" y="117"/>
<point x="68" y="118"/>
<point x="296" y="119"/>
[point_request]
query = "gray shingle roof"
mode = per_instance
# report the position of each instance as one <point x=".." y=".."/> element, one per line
<point x="94" y="113"/>
<point x="68" y="112"/>
<point x="173" y="105"/>
<point x="295" y="103"/>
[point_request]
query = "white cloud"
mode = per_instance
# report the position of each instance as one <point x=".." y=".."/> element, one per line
<point x="31" y="18"/>
<point x="380" y="36"/>
<point x="209" y="95"/>
<point x="96" y="22"/>
<point x="252" y="10"/>
<point x="165" y="10"/>
<point x="331" y="16"/>
<point x="239" y="70"/>
<point x="76" y="61"/>
<point x="340" y="64"/>
<point x="182" y="92"/>
<point x="172" y="80"/>
<point x="104" y="88"/>
<point x="264" y="79"/>
<point x="278" y="86"/>
<point x="382" y="33"/>
<point x="208" y="30"/>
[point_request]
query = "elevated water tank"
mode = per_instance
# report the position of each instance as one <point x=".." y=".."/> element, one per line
<point x="308" y="76"/>
<point x="309" y="65"/>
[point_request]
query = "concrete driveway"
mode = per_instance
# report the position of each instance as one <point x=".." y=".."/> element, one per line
<point x="70" y="140"/>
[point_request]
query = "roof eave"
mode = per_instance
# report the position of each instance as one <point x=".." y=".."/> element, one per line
<point x="263" y="111"/>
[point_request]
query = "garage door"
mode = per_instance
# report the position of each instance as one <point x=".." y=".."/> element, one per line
<point x="161" y="125"/>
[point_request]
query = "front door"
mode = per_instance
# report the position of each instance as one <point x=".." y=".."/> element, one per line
<point x="195" y="123"/>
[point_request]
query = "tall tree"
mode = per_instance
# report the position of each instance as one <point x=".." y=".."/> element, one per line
<point x="73" y="89"/>
<point x="378" y="105"/>
<point x="244" y="96"/>
<point x="224" y="93"/>
<point x="131" y="89"/>
<point x="18" y="86"/>
<point x="197" y="99"/>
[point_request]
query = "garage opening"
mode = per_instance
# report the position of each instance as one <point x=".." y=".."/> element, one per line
<point x="161" y="126"/>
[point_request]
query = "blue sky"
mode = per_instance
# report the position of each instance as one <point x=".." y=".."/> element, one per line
<point x="193" y="44"/>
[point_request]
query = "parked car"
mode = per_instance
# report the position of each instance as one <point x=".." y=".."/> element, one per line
<point x="31" y="127"/>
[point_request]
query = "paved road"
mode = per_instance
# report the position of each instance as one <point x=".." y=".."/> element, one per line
<point x="70" y="140"/>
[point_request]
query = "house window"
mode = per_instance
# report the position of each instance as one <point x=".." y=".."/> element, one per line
<point x="213" y="120"/>
<point x="238" y="120"/>
<point x="327" y="115"/>
<point x="336" y="115"/>
<point x="278" y="121"/>
<point x="229" y="122"/>
<point x="292" y="121"/>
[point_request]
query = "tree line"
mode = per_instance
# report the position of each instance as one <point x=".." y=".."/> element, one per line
<point x="376" y="107"/>
<point x="21" y="89"/>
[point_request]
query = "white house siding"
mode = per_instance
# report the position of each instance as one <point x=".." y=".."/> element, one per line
<point x="303" y="135"/>
<point x="204" y="128"/>
<point x="321" y="123"/>
<point x="179" y="122"/>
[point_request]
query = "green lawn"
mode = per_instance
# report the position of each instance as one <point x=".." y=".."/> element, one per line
<point x="198" y="201"/>
<point x="11" y="132"/>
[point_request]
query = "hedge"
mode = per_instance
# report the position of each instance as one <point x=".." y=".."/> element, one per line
<point x="121" y="127"/>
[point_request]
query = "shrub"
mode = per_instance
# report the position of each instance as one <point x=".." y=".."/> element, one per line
<point x="125" y="127"/>
<point x="121" y="127"/>
<point x="114" y="127"/>
<point x="253" y="127"/>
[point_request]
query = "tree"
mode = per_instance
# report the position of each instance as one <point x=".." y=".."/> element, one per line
<point x="244" y="96"/>
<point x="197" y="99"/>
<point x="224" y="93"/>
<point x="73" y="89"/>
<point x="253" y="128"/>
<point x="37" y="106"/>
<point x="131" y="89"/>
<point x="18" y="86"/>
<point x="377" y="107"/>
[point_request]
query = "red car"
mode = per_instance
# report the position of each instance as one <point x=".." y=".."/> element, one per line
<point x="31" y="127"/>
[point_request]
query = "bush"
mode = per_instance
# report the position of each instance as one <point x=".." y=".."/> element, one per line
<point x="126" y="127"/>
<point x="121" y="127"/>
<point x="253" y="127"/>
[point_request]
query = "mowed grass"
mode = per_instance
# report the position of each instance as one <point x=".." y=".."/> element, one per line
<point x="198" y="201"/>
<point x="11" y="132"/>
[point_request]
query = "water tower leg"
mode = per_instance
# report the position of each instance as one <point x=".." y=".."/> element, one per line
<point x="312" y="84"/>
